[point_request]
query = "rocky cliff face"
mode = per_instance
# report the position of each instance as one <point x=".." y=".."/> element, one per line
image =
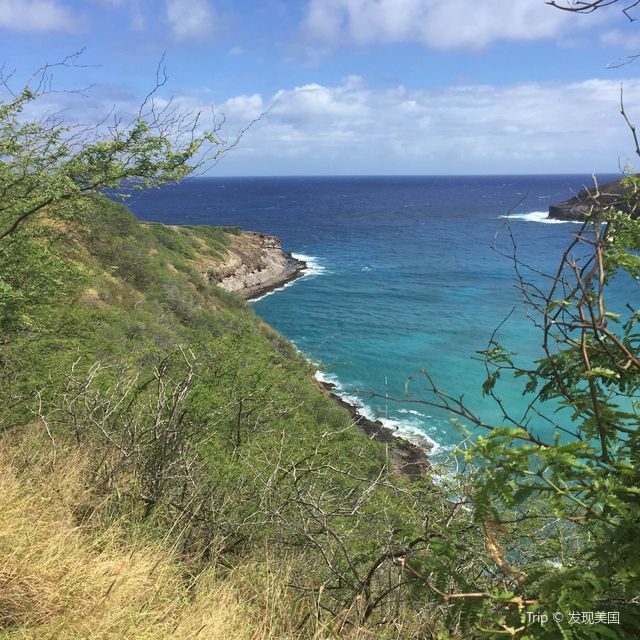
<point x="255" y="263"/>
<point x="587" y="200"/>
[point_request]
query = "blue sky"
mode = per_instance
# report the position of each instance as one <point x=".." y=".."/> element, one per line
<point x="353" y="86"/>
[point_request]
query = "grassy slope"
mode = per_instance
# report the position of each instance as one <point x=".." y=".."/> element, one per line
<point x="103" y="319"/>
<point x="59" y="581"/>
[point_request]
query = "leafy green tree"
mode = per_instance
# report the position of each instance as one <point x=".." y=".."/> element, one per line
<point x="51" y="171"/>
<point x="46" y="164"/>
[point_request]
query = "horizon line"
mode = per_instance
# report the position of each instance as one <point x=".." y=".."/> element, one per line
<point x="407" y="175"/>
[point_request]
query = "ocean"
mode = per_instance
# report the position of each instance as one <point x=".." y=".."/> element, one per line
<point x="404" y="278"/>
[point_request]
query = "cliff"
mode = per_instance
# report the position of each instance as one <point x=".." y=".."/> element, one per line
<point x="612" y="194"/>
<point x="253" y="264"/>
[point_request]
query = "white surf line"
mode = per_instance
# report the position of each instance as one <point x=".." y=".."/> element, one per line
<point x="402" y="428"/>
<point x="313" y="268"/>
<point x="539" y="216"/>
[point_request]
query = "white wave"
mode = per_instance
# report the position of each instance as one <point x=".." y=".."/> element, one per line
<point x="411" y="431"/>
<point x="280" y="288"/>
<point x="412" y="412"/>
<point x="321" y="376"/>
<point x="314" y="265"/>
<point x="539" y="216"/>
<point x="314" y="268"/>
<point x="354" y="401"/>
<point x="408" y="428"/>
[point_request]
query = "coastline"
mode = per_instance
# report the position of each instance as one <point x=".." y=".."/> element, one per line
<point x="254" y="265"/>
<point x="616" y="194"/>
<point x="263" y="267"/>
<point x="406" y="458"/>
<point x="297" y="269"/>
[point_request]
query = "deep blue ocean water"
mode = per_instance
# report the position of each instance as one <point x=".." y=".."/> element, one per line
<point x="403" y="275"/>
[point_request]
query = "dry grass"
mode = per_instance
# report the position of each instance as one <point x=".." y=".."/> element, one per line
<point x="58" y="580"/>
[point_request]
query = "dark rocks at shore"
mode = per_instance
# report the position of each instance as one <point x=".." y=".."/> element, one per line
<point x="295" y="269"/>
<point x="612" y="194"/>
<point x="406" y="458"/>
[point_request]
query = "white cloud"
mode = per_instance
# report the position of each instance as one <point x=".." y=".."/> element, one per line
<point x="621" y="40"/>
<point x="37" y="15"/>
<point x="350" y="128"/>
<point x="190" y="18"/>
<point x="442" y="24"/>
<point x="528" y="127"/>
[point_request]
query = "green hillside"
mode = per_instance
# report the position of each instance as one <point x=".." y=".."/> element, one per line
<point x="169" y="467"/>
<point x="195" y="427"/>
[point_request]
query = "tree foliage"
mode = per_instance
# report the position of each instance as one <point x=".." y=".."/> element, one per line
<point x="47" y="164"/>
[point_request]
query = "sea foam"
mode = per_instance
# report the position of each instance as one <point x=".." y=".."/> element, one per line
<point x="538" y="216"/>
<point x="411" y="428"/>
<point x="314" y="268"/>
<point x="314" y="265"/>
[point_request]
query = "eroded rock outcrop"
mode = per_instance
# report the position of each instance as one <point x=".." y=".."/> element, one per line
<point x="585" y="201"/>
<point x="255" y="263"/>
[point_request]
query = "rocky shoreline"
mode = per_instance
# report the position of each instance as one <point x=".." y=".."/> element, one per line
<point x="255" y="264"/>
<point x="612" y="194"/>
<point x="406" y="458"/>
<point x="296" y="270"/>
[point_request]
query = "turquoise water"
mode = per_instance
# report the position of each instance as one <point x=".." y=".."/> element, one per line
<point x="403" y="276"/>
